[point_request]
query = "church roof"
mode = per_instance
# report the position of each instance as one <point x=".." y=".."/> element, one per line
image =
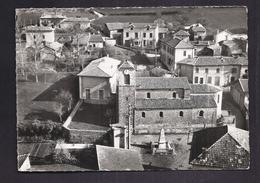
<point x="162" y="83"/>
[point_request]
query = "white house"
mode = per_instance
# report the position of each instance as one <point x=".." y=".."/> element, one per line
<point x="98" y="81"/>
<point x="141" y="35"/>
<point x="216" y="70"/>
<point x="227" y="35"/>
<point x="38" y="34"/>
<point x="174" y="50"/>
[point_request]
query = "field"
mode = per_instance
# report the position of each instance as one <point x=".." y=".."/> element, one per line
<point x="214" y="18"/>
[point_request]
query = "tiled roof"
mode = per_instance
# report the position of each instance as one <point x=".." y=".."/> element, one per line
<point x="162" y="83"/>
<point x="139" y="25"/>
<point x="118" y="159"/>
<point x="115" y="25"/>
<point x="181" y="33"/>
<point x="102" y="67"/>
<point x="203" y="88"/>
<point x="158" y="72"/>
<point x="196" y="28"/>
<point x="238" y="31"/>
<point x="96" y="38"/>
<point x="38" y="29"/>
<point x="126" y="65"/>
<point x="244" y="84"/>
<point x="207" y="138"/>
<point x="176" y="42"/>
<point x="193" y="102"/>
<point x="214" y="61"/>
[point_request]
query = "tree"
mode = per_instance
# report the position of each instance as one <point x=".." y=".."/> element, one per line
<point x="64" y="102"/>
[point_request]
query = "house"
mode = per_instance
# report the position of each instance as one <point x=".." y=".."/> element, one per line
<point x="69" y="23"/>
<point x="23" y="162"/>
<point x="96" y="41"/>
<point x="51" y="51"/>
<point x="118" y="159"/>
<point x="216" y="70"/>
<point x="38" y="35"/>
<point x="115" y="30"/>
<point x="222" y="147"/>
<point x="240" y="94"/>
<point x="182" y="34"/>
<point x="144" y="35"/>
<point x="98" y="81"/>
<point x="197" y="31"/>
<point x="223" y="35"/>
<point x="206" y="89"/>
<point x="51" y="19"/>
<point x="173" y="50"/>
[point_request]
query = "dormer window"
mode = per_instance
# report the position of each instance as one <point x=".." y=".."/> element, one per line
<point x="148" y="27"/>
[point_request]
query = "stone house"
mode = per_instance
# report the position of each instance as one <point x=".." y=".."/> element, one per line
<point x="38" y="35"/>
<point x="240" y="94"/>
<point x="173" y="50"/>
<point x="215" y="70"/>
<point x="222" y="147"/>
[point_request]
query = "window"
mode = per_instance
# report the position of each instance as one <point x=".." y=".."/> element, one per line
<point x="217" y="70"/>
<point x="209" y="80"/>
<point x="144" y="34"/>
<point x="43" y="36"/>
<point x="34" y="37"/>
<point x="217" y="80"/>
<point x="148" y="28"/>
<point x="148" y="95"/>
<point x="101" y="94"/>
<point x="151" y="35"/>
<point x="201" y="80"/>
<point x="131" y="28"/>
<point x="218" y="98"/>
<point x="234" y="70"/>
<point x="127" y="34"/>
<point x="197" y="70"/>
<point x="143" y="114"/>
<point x="161" y="114"/>
<point x="127" y="79"/>
<point x="94" y="45"/>
<point x="246" y="71"/>
<point x="151" y="43"/>
<point x="207" y="70"/>
<point x="201" y="113"/>
<point x="126" y="98"/>
<point x="196" y="79"/>
<point x="181" y="114"/>
<point x="144" y="42"/>
<point x="184" y="53"/>
<point x="169" y="61"/>
<point x="136" y="35"/>
<point x="174" y="95"/>
<point x="87" y="93"/>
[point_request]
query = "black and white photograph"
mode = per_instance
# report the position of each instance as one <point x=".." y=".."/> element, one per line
<point x="132" y="88"/>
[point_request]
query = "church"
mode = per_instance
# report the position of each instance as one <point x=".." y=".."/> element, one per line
<point x="148" y="104"/>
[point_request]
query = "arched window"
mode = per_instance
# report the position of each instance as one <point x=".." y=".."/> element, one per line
<point x="201" y="113"/>
<point x="181" y="113"/>
<point x="161" y="114"/>
<point x="143" y="114"/>
<point x="174" y="95"/>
